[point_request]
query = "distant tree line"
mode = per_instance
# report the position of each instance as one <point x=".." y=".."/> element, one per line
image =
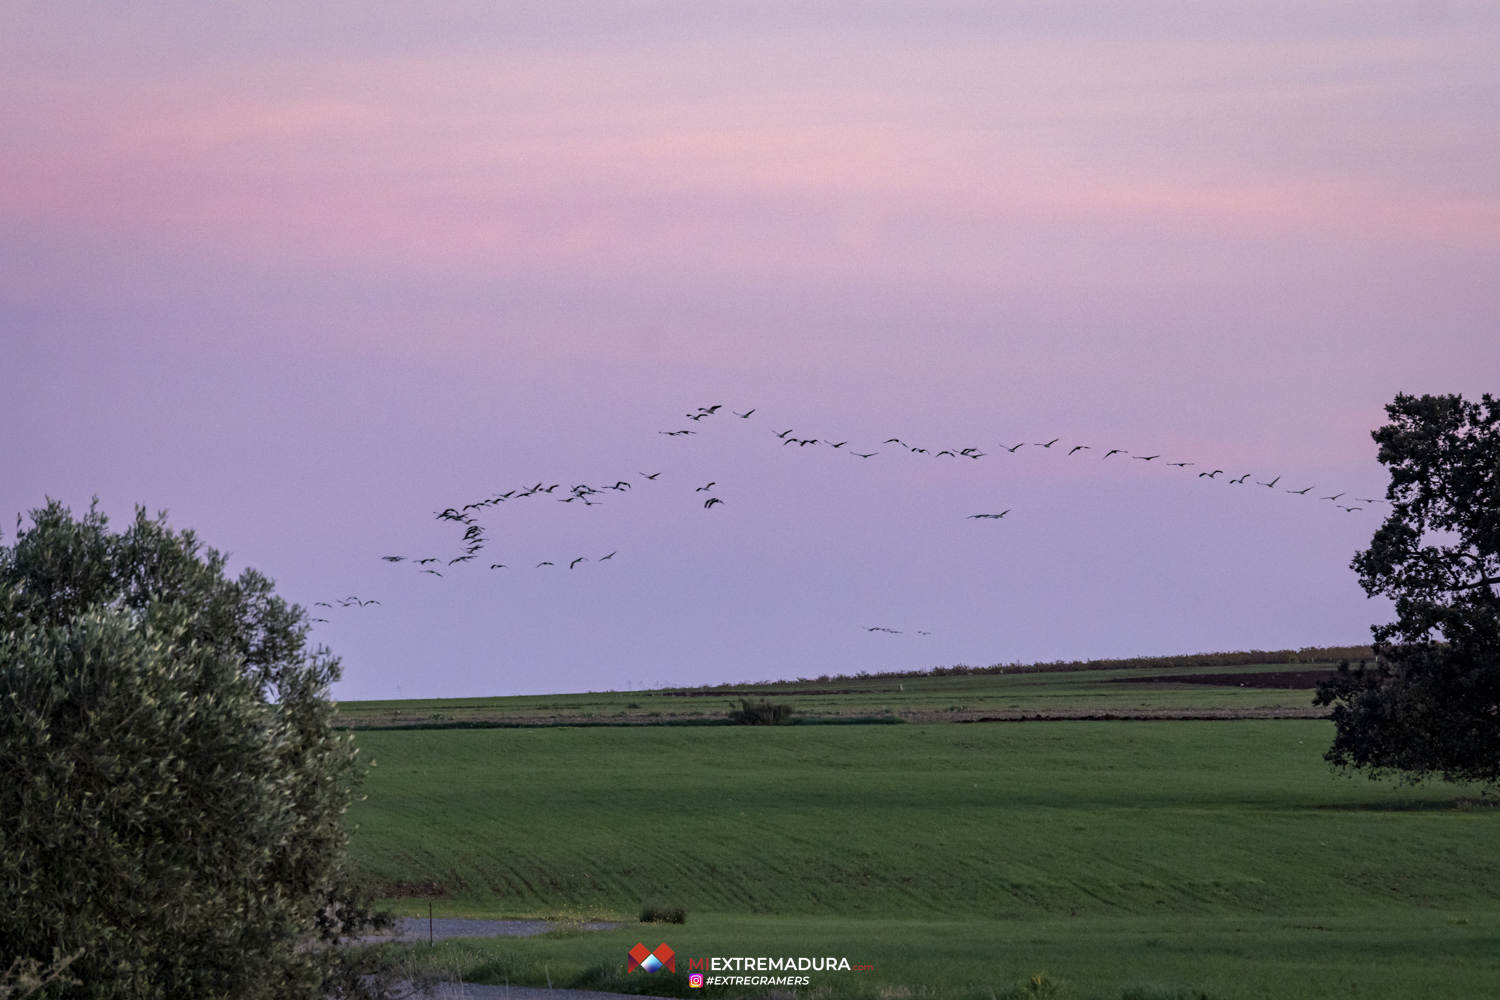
<point x="1307" y="654"/>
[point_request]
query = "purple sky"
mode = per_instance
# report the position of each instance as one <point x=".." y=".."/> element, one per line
<point x="306" y="274"/>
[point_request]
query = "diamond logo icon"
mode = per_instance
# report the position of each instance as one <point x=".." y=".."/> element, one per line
<point x="651" y="961"/>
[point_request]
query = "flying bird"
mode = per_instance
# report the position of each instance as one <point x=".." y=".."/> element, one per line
<point x="1241" y="479"/>
<point x="498" y="566"/>
<point x="575" y="562"/>
<point x="710" y="502"/>
<point x="919" y="451"/>
<point x="1182" y="465"/>
<point x="1048" y="444"/>
<point x="710" y="410"/>
<point x="1300" y="493"/>
<point x="864" y="455"/>
<point x="742" y="416"/>
<point x="1271" y="483"/>
<point x="786" y="432"/>
<point x="1349" y="509"/>
<point x="323" y="620"/>
<point x="1012" y="448"/>
<point x="610" y="556"/>
<point x="424" y="562"/>
<point x="1368" y="500"/>
<point x="1145" y="458"/>
<point x="432" y="571"/>
<point x="676" y="433"/>
<point x="895" y="441"/>
<point x="652" y="476"/>
<point x="1210" y="475"/>
<point x="321" y="604"/>
<point x="394" y="558"/>
<point x="705" y="489"/>
<point x="945" y="451"/>
<point x="995" y="516"/>
<point x="1079" y="447"/>
<point x="839" y="445"/>
<point x="544" y="563"/>
<point x="696" y="416"/>
<point x="877" y="628"/>
<point x="1334" y="497"/>
<point x="1114" y="451"/>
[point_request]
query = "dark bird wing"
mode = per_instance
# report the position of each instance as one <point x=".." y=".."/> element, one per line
<point x="711" y="501"/>
<point x="610" y="556"/>
<point x="864" y="455"/>
<point x="394" y="558"/>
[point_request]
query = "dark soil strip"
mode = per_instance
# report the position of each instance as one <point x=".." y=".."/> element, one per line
<point x="1293" y="680"/>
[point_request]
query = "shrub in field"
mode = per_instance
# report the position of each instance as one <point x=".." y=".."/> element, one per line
<point x="760" y="713"/>
<point x="654" y="911"/>
<point x="172" y="787"/>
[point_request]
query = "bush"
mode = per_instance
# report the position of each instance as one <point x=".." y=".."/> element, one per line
<point x="760" y="713"/>
<point x="172" y="786"/>
<point x="654" y="911"/>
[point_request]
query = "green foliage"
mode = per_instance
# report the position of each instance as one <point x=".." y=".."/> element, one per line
<point x="172" y="786"/>
<point x="1430" y="703"/>
<point x="654" y="911"/>
<point x="760" y="713"/>
<point x="27" y="977"/>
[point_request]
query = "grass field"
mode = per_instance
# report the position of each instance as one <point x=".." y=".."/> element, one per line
<point x="958" y="860"/>
<point x="918" y="699"/>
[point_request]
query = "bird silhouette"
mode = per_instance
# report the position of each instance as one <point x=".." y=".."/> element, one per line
<point x="575" y="562"/>
<point x="742" y="416"/>
<point x="1048" y="444"/>
<point x="652" y="476"/>
<point x="696" y="416"/>
<point x="1368" y="500"/>
<point x="1114" y="451"/>
<point x="1210" y="475"/>
<point x="785" y="432"/>
<point x="1145" y="458"/>
<point x="1182" y="465"/>
<point x="1241" y="479"/>
<point x="919" y="451"/>
<point x="1079" y="447"/>
<point x="544" y="563"/>
<point x="394" y="559"/>
<point x="865" y="455"/>
<point x="432" y="571"/>
<point x="705" y="489"/>
<point x="920" y="632"/>
<point x="1012" y="448"/>
<point x="995" y="516"/>
<point x="877" y="628"/>
<point x="945" y="451"/>
<point x="711" y="501"/>
<point x="1334" y="497"/>
<point x="1300" y="493"/>
<point x="424" y="562"/>
<point x="1349" y="509"/>
<point x="895" y="441"/>
<point x="612" y="555"/>
<point x="839" y="445"/>
<point x="710" y="410"/>
<point x="321" y="604"/>
<point x="1271" y="483"/>
<point x="676" y="433"/>
<point x="497" y="566"/>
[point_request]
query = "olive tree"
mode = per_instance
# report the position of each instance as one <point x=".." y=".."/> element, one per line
<point x="1430" y="703"/>
<point x="172" y="788"/>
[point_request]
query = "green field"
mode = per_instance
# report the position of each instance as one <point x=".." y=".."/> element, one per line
<point x="917" y="699"/>
<point x="958" y="860"/>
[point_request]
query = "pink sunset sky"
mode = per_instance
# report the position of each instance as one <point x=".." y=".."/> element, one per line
<point x="306" y="274"/>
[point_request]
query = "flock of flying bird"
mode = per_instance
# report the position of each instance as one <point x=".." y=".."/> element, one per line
<point x="473" y="540"/>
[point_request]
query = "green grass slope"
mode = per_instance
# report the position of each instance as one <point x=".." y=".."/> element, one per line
<point x="1096" y="851"/>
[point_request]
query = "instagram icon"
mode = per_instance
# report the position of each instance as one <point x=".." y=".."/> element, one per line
<point x="696" y="980"/>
